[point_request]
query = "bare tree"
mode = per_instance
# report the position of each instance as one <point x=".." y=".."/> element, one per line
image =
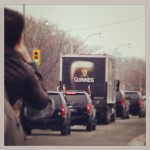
<point x="132" y="73"/>
<point x="51" y="41"/>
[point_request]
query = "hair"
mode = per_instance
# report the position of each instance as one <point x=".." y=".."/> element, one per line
<point x="13" y="26"/>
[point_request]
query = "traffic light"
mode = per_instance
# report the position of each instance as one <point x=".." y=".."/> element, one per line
<point x="36" y="56"/>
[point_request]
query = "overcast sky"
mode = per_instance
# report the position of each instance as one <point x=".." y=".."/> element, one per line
<point x="119" y="25"/>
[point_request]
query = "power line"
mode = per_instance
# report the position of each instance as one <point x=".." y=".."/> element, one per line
<point x="110" y="24"/>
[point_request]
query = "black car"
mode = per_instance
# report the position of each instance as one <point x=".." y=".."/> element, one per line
<point x="82" y="110"/>
<point x="137" y="106"/>
<point x="60" y="120"/>
<point x="122" y="105"/>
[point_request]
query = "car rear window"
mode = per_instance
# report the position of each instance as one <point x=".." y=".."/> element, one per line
<point x="56" y="98"/>
<point x="132" y="95"/>
<point x="77" y="98"/>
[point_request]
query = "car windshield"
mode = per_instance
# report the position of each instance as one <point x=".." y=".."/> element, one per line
<point x="77" y="99"/>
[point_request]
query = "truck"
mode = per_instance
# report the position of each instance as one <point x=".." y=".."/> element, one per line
<point x="95" y="74"/>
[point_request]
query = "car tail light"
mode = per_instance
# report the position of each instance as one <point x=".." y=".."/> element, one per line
<point x="122" y="102"/>
<point x="62" y="111"/>
<point x="88" y="108"/>
<point x="140" y="102"/>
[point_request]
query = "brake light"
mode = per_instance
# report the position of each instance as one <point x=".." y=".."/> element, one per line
<point x="122" y="102"/>
<point x="62" y="111"/>
<point x="140" y="102"/>
<point x="70" y="93"/>
<point x="88" y="108"/>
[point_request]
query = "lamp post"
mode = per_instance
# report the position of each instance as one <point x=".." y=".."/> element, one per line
<point x="122" y="45"/>
<point x="23" y="10"/>
<point x="91" y="35"/>
<point x="98" y="34"/>
<point x="114" y="52"/>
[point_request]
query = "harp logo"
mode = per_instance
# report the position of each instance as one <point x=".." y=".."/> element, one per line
<point x="84" y="72"/>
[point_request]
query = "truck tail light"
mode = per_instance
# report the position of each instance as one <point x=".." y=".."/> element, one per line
<point x="88" y="108"/>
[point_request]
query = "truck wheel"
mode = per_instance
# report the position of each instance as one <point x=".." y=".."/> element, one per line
<point x="108" y="117"/>
<point x="113" y="117"/>
<point x="69" y="131"/>
<point x="127" y="115"/>
<point x="123" y="116"/>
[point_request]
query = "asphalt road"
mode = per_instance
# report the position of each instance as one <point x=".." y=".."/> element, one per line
<point x="120" y="133"/>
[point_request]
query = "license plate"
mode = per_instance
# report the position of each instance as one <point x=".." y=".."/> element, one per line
<point x="72" y="110"/>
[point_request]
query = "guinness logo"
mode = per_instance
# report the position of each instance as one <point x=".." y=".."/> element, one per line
<point x="84" y="72"/>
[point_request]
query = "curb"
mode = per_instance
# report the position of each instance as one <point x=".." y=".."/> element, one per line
<point x="138" y="141"/>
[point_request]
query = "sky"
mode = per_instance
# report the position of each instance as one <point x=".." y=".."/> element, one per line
<point x="119" y="25"/>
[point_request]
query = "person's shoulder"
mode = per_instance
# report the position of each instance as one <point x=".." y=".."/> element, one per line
<point x="29" y="66"/>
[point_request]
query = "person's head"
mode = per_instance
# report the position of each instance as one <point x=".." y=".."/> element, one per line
<point x="13" y="26"/>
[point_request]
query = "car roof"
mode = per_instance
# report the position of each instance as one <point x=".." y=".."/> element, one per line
<point x="132" y="91"/>
<point x="75" y="91"/>
<point x="54" y="92"/>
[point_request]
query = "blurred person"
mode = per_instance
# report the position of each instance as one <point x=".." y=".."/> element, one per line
<point x="14" y="134"/>
<point x="22" y="78"/>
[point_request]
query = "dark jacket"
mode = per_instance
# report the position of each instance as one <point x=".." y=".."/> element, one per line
<point x="23" y="80"/>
